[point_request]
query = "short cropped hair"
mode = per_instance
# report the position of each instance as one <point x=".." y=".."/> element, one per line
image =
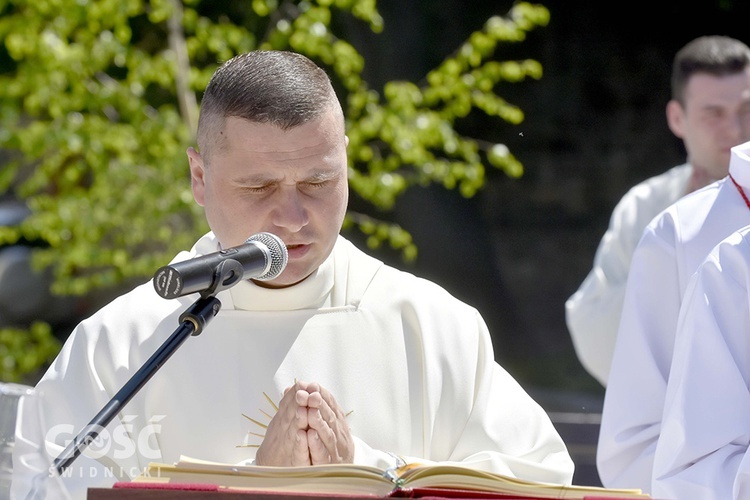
<point x="282" y="88"/>
<point x="715" y="55"/>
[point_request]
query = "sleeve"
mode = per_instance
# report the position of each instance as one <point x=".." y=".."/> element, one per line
<point x="523" y="441"/>
<point x="95" y="362"/>
<point x="72" y="394"/>
<point x="593" y="312"/>
<point x="633" y="401"/>
<point x="703" y="448"/>
<point x="466" y="409"/>
<point x="503" y="430"/>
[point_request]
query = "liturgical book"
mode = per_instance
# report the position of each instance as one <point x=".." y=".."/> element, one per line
<point x="411" y="480"/>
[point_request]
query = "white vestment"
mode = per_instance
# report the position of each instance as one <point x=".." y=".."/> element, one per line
<point x="703" y="448"/>
<point x="413" y="367"/>
<point x="592" y="313"/>
<point x="672" y="247"/>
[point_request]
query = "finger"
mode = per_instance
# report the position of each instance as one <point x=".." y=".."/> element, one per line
<point x="285" y="441"/>
<point x="331" y="427"/>
<point x="320" y="418"/>
<point x="321" y="397"/>
<point x="320" y="453"/>
<point x="315" y="400"/>
<point x="311" y="386"/>
<point x="302" y="397"/>
<point x="324" y="439"/>
<point x="320" y="413"/>
<point x="301" y="450"/>
<point x="283" y="444"/>
<point x="339" y="441"/>
<point x="305" y="386"/>
<point x="288" y="417"/>
<point x="302" y="421"/>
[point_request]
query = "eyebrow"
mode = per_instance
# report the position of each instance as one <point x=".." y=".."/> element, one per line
<point x="323" y="175"/>
<point x="259" y="179"/>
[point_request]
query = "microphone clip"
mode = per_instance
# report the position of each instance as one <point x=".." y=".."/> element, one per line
<point x="226" y="274"/>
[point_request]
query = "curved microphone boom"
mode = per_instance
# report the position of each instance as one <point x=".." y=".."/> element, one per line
<point x="262" y="257"/>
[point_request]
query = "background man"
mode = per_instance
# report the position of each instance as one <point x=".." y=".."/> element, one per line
<point x="710" y="101"/>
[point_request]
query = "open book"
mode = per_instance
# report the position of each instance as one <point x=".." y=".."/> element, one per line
<point x="412" y="480"/>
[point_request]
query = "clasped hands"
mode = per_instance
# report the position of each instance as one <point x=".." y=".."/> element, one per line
<point x="310" y="428"/>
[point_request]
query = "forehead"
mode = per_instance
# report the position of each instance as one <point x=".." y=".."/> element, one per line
<point x="707" y="89"/>
<point x="247" y="146"/>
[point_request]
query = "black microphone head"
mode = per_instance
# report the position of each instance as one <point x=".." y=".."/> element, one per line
<point x="278" y="252"/>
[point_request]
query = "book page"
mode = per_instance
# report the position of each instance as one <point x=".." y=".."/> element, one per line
<point x="331" y="479"/>
<point x="354" y="479"/>
<point x="465" y="478"/>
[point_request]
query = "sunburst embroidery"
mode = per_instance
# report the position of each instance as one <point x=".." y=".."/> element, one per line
<point x="250" y="435"/>
<point x="253" y="435"/>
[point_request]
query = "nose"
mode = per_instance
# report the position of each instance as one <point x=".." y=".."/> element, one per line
<point x="739" y="127"/>
<point x="744" y="133"/>
<point x="736" y="128"/>
<point x="290" y="212"/>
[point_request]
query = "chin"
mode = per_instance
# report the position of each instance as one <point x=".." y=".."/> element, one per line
<point x="281" y="282"/>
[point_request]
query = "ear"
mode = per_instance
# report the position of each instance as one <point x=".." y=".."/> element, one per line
<point x="676" y="118"/>
<point x="197" y="175"/>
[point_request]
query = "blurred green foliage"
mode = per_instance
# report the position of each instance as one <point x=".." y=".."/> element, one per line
<point x="99" y="101"/>
<point x="23" y="351"/>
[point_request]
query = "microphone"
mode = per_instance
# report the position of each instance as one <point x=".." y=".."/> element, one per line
<point x="263" y="257"/>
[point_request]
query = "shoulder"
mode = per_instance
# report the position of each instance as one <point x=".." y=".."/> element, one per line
<point x="662" y="189"/>
<point x="426" y="309"/>
<point x="399" y="287"/>
<point x="141" y="311"/>
<point x="731" y="256"/>
<point x="137" y="314"/>
<point x="691" y="209"/>
<point x="646" y="200"/>
<point x="675" y="177"/>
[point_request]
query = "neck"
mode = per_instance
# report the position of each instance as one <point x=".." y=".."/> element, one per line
<point x="699" y="178"/>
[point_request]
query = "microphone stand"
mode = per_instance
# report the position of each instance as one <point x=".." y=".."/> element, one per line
<point x="192" y="323"/>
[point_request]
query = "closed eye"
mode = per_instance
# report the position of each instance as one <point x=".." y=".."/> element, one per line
<point x="321" y="179"/>
<point x="317" y="184"/>
<point x="258" y="189"/>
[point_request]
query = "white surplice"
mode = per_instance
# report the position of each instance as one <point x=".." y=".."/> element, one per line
<point x="703" y="448"/>
<point x="412" y="365"/>
<point x="671" y="249"/>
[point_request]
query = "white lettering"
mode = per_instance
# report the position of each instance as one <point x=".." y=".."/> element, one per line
<point x="96" y="442"/>
<point x="147" y="439"/>
<point x="125" y="446"/>
<point x="96" y="447"/>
